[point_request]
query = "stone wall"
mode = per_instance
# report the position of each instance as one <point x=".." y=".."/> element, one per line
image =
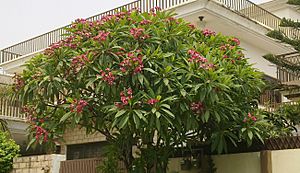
<point x="79" y="136"/>
<point x="38" y="164"/>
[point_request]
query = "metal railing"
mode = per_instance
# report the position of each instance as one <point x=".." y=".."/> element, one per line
<point x="44" y="40"/>
<point x="85" y="165"/>
<point x="271" y="107"/>
<point x="284" y="75"/>
<point x="259" y="14"/>
<point x="11" y="109"/>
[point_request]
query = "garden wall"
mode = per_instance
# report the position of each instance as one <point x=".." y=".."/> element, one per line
<point x="78" y="136"/>
<point x="38" y="164"/>
<point x="238" y="163"/>
<point x="285" y="161"/>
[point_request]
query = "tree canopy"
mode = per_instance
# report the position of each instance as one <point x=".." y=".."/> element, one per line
<point x="146" y="80"/>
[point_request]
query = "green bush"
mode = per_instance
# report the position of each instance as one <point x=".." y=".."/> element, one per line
<point x="8" y="150"/>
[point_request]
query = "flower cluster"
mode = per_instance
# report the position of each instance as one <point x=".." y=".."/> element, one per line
<point x="155" y="9"/>
<point x="192" y="26"/>
<point x="132" y="61"/>
<point x="138" y="33"/>
<point x="145" y="22"/>
<point x="78" y="105"/>
<point x="39" y="132"/>
<point x="107" y="76"/>
<point x="196" y="57"/>
<point x="207" y="66"/>
<point x="52" y="47"/>
<point x="236" y="41"/>
<point x="125" y="98"/>
<point x="250" y="117"/>
<point x="207" y="33"/>
<point x="18" y="82"/>
<point x="197" y="107"/>
<point x="102" y="36"/>
<point x="226" y="47"/>
<point x="78" y="62"/>
<point x="69" y="42"/>
<point x="152" y="101"/>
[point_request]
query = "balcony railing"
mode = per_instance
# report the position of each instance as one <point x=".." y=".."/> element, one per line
<point x="271" y="107"/>
<point x="85" y="165"/>
<point x="259" y="14"/>
<point x="44" y="40"/>
<point x="11" y="109"/>
<point x="284" y="75"/>
<point x="244" y="7"/>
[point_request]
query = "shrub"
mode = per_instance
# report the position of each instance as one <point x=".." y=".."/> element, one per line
<point x="8" y="150"/>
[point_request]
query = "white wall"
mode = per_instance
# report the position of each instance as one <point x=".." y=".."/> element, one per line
<point x="238" y="163"/>
<point x="287" y="13"/>
<point x="255" y="53"/>
<point x="286" y="161"/>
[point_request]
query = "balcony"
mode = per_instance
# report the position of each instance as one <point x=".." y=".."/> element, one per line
<point x="286" y="76"/>
<point x="245" y="8"/>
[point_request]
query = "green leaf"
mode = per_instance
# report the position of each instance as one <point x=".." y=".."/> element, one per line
<point x="206" y="116"/>
<point x="136" y="121"/>
<point x="150" y="70"/>
<point x="166" y="81"/>
<point x="32" y="141"/>
<point x="166" y="106"/>
<point x="250" y="135"/>
<point x="158" y="114"/>
<point x="157" y="124"/>
<point x="217" y="116"/>
<point x="183" y="92"/>
<point x="140" y="115"/>
<point x="165" y="55"/>
<point x="123" y="121"/>
<point x="65" y="117"/>
<point x="140" y="78"/>
<point x="168" y="112"/>
<point x="120" y="112"/>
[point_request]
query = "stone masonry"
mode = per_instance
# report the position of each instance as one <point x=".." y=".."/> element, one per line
<point x="38" y="164"/>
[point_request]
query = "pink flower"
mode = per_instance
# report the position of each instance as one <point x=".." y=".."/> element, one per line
<point x="132" y="63"/>
<point x="145" y="22"/>
<point x="77" y="106"/>
<point x="78" y="62"/>
<point x="223" y="47"/>
<point x="136" y="32"/>
<point x="196" y="57"/>
<point x="197" y="107"/>
<point x="250" y="117"/>
<point x="119" y="105"/>
<point x="108" y="76"/>
<point x="192" y="26"/>
<point x="129" y="91"/>
<point x="125" y="98"/>
<point x="152" y="101"/>
<point x="236" y="41"/>
<point x="207" y="33"/>
<point x="102" y="36"/>
<point x="39" y="132"/>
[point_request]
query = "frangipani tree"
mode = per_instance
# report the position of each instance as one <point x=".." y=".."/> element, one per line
<point x="146" y="80"/>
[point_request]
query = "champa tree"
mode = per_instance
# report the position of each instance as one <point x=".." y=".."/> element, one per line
<point x="146" y="80"/>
